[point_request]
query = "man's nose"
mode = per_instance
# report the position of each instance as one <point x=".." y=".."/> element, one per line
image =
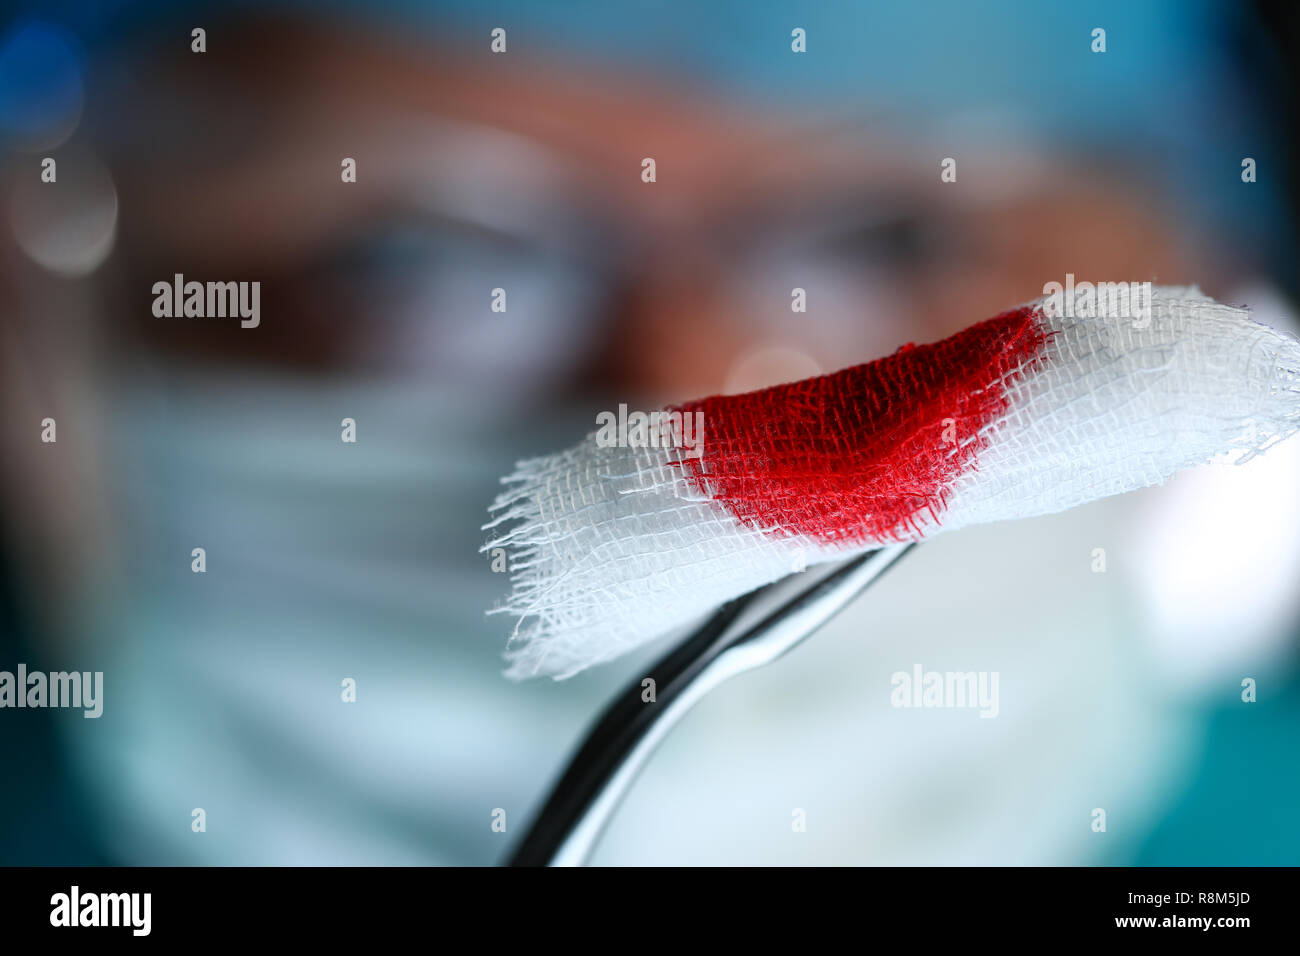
<point x="677" y="330"/>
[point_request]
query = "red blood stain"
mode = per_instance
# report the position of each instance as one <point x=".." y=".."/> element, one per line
<point x="860" y="456"/>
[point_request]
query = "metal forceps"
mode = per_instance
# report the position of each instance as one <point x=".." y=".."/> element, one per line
<point x="627" y="733"/>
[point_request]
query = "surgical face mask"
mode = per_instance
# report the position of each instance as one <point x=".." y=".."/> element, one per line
<point x="329" y="569"/>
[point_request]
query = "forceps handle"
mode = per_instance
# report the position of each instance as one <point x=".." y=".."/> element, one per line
<point x="627" y="733"/>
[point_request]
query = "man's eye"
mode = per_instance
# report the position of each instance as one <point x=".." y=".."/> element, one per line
<point x="903" y="242"/>
<point x="457" y="303"/>
<point x="377" y="252"/>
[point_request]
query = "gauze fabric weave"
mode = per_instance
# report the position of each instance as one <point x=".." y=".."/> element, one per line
<point x="1029" y="413"/>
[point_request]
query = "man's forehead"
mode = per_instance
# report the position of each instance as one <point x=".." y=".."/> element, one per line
<point x="590" y="114"/>
<point x="402" y="108"/>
